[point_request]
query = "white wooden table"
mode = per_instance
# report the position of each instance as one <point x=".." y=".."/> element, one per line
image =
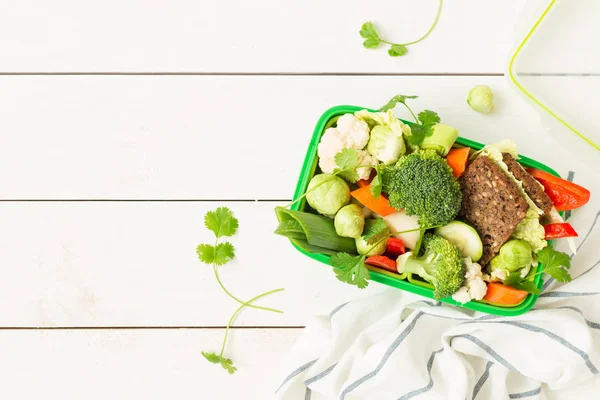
<point x="123" y="121"/>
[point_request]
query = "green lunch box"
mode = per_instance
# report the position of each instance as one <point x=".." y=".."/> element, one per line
<point x="405" y="281"/>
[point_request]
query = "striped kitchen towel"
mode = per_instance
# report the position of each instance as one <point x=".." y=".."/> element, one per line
<point x="396" y="345"/>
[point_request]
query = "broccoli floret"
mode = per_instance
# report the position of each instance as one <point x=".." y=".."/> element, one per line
<point x="441" y="265"/>
<point x="422" y="183"/>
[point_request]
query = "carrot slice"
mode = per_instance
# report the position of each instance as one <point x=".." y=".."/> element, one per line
<point x="500" y="294"/>
<point x="457" y="159"/>
<point x="378" y="205"/>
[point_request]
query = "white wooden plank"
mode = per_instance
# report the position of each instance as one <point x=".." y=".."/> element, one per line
<point x="140" y="364"/>
<point x="134" y="264"/>
<point x="198" y="137"/>
<point x="261" y="36"/>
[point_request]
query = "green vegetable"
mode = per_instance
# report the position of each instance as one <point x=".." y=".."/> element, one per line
<point x="327" y="193"/>
<point x="441" y="265"/>
<point x="375" y="231"/>
<point x="350" y="269"/>
<point x="376" y="184"/>
<point x="222" y="223"/>
<point x="422" y="183"/>
<point x="349" y="221"/>
<point x="481" y="99"/>
<point x="364" y="248"/>
<point x="464" y="237"/>
<point x="425" y="123"/>
<point x="385" y="144"/>
<point x="312" y="231"/>
<point x="554" y="263"/>
<point x="531" y="231"/>
<point x="372" y="39"/>
<point x="441" y="139"/>
<point x="347" y="162"/>
<point x="514" y="255"/>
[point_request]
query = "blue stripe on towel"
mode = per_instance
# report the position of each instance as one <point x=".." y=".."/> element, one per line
<point x="553" y="336"/>
<point x="297" y="371"/>
<point x="405" y="332"/>
<point x="338" y="308"/>
<point x="429" y="385"/>
<point x="568" y="294"/>
<point x="488" y="350"/>
<point x="320" y="375"/>
<point x="523" y="395"/>
<point x="482" y="379"/>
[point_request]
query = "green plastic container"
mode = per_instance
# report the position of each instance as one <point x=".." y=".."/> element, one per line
<point x="404" y="281"/>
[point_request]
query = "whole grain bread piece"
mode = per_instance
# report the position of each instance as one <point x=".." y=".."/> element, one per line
<point x="492" y="203"/>
<point x="531" y="186"/>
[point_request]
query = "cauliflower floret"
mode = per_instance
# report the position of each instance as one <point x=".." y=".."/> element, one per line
<point x="351" y="132"/>
<point x="365" y="158"/>
<point x="499" y="275"/>
<point x="474" y="286"/>
<point x="354" y="130"/>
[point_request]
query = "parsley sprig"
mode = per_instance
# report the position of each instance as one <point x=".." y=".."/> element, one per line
<point x="554" y="263"/>
<point x="373" y="40"/>
<point x="223" y="224"/>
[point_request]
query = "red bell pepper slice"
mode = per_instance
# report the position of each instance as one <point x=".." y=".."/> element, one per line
<point x="382" y="262"/>
<point x="565" y="195"/>
<point x="557" y="231"/>
<point x="395" y="247"/>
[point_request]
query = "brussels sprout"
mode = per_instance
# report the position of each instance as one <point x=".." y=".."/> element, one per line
<point x="481" y="99"/>
<point x="385" y="144"/>
<point x="327" y="193"/>
<point x="514" y="255"/>
<point x="441" y="140"/>
<point x="369" y="250"/>
<point x="349" y="221"/>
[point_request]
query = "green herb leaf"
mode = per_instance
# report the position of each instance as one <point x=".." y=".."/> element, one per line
<point x="375" y="231"/>
<point x="399" y="98"/>
<point x="417" y="134"/>
<point x="350" y="269"/>
<point x="221" y="222"/>
<point x="347" y="162"/>
<point x="515" y="280"/>
<point x="226" y="363"/>
<point x="371" y="43"/>
<point x="555" y="263"/>
<point x="397" y="50"/>
<point x="428" y="120"/>
<point x="376" y="184"/>
<point x="368" y="31"/>
<point x="219" y="255"/>
<point x="212" y="357"/>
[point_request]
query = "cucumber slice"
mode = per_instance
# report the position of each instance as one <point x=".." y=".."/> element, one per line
<point x="464" y="237"/>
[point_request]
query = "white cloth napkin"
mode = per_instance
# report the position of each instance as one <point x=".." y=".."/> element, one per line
<point x="396" y="345"/>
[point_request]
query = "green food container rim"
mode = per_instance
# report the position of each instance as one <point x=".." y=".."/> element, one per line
<point x="405" y="281"/>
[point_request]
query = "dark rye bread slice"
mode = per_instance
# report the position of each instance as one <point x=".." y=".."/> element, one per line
<point x="492" y="203"/>
<point x="533" y="189"/>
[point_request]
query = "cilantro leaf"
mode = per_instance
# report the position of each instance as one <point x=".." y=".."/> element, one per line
<point x="219" y="255"/>
<point x="206" y="253"/>
<point x="226" y="363"/>
<point x="376" y="184"/>
<point x="368" y="32"/>
<point x="347" y="162"/>
<point x="346" y="159"/>
<point x="399" y="98"/>
<point x="212" y="357"/>
<point x="397" y="50"/>
<point x="555" y="263"/>
<point x="417" y="134"/>
<point x="375" y="231"/>
<point x="428" y="120"/>
<point x="515" y="280"/>
<point x="350" y="269"/>
<point x="221" y="221"/>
